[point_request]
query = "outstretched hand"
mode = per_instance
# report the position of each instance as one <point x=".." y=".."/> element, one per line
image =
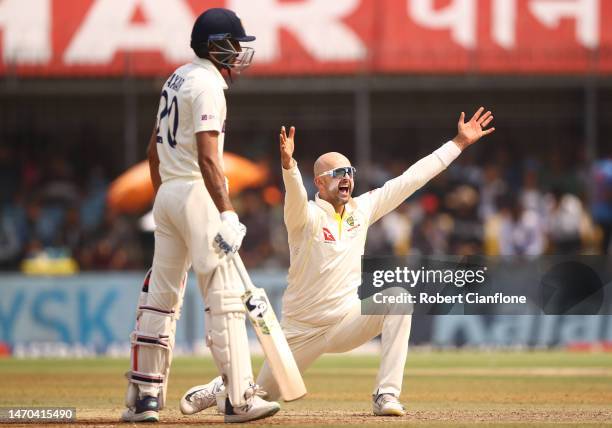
<point x="474" y="130"/>
<point x="287" y="146"/>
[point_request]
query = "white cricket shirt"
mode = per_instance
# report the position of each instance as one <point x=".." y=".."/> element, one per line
<point x="326" y="249"/>
<point x="192" y="101"/>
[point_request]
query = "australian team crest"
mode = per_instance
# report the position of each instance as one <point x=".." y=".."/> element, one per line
<point x="352" y="223"/>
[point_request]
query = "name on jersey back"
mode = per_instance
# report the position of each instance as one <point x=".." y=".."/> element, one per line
<point x="175" y="82"/>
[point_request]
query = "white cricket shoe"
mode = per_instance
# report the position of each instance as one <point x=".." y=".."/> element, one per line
<point x="201" y="397"/>
<point x="387" y="405"/>
<point x="255" y="408"/>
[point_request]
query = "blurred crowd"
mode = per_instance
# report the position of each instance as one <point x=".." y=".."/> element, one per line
<point x="54" y="216"/>
<point x="532" y="207"/>
<point x="51" y="210"/>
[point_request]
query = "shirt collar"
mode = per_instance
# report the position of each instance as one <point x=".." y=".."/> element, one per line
<point x="208" y="65"/>
<point x="329" y="209"/>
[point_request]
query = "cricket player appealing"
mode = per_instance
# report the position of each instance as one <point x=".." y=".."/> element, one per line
<point x="321" y="308"/>
<point x="196" y="226"/>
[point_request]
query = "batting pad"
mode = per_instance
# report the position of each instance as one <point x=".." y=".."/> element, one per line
<point x="226" y="334"/>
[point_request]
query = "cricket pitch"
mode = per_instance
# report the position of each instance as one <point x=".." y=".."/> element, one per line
<point x="441" y="389"/>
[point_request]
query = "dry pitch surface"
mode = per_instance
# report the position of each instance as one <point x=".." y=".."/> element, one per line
<point x="441" y="389"/>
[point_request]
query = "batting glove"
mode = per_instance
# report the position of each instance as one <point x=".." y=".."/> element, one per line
<point x="231" y="233"/>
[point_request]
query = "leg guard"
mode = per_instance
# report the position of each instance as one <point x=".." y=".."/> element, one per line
<point x="151" y="352"/>
<point x="226" y="333"/>
<point x="172" y="339"/>
<point x="152" y="344"/>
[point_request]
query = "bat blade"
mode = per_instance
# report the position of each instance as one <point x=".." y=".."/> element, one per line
<point x="274" y="344"/>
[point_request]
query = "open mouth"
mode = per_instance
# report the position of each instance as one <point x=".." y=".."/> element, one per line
<point x="343" y="189"/>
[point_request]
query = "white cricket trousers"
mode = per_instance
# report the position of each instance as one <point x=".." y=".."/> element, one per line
<point x="186" y="219"/>
<point x="307" y="343"/>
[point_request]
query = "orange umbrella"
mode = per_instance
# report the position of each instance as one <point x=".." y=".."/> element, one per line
<point x="132" y="191"/>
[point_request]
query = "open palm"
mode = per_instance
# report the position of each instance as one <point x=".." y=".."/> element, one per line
<point x="476" y="128"/>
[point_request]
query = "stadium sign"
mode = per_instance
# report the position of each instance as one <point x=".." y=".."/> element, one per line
<point x="150" y="37"/>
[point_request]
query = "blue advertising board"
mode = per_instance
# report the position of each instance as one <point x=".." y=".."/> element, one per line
<point x="93" y="312"/>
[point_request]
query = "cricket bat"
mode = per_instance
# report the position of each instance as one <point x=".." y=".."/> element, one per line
<point x="271" y="337"/>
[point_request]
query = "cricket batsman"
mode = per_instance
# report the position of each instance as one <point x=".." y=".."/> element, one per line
<point x="321" y="307"/>
<point x="195" y="226"/>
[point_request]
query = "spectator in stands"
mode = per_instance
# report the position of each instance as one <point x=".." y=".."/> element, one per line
<point x="430" y="233"/>
<point x="9" y="175"/>
<point x="531" y="197"/>
<point x="521" y="233"/>
<point x="114" y="245"/>
<point x="10" y="244"/>
<point x="397" y="229"/>
<point x="602" y="200"/>
<point x="491" y="188"/>
<point x="564" y="220"/>
<point x="466" y="233"/>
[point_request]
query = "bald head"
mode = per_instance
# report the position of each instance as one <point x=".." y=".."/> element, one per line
<point x="330" y="160"/>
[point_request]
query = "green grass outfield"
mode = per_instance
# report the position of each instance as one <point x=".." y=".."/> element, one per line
<point x="441" y="389"/>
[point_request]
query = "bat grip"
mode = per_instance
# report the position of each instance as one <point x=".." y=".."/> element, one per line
<point x="242" y="272"/>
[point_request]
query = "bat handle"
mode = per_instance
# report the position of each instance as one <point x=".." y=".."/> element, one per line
<point x="242" y="272"/>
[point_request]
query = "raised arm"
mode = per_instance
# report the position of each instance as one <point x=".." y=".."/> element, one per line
<point x="395" y="191"/>
<point x="296" y="198"/>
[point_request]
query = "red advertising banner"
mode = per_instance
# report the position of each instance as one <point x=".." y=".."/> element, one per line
<point x="306" y="37"/>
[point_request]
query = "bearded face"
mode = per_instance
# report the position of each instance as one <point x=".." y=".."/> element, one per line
<point x="336" y="190"/>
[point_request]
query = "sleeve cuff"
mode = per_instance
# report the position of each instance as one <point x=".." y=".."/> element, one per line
<point x="448" y="153"/>
<point x="212" y="125"/>
<point x="291" y="171"/>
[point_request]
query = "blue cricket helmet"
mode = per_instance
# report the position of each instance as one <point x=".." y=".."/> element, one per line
<point x="212" y="36"/>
